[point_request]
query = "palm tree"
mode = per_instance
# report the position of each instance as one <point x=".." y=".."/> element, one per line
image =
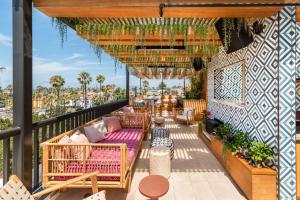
<point x="100" y="79"/>
<point x="57" y="83"/>
<point x="84" y="79"/>
<point x="145" y="86"/>
<point x="39" y="93"/>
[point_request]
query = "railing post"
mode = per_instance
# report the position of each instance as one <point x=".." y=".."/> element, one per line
<point x="22" y="92"/>
<point x="127" y="83"/>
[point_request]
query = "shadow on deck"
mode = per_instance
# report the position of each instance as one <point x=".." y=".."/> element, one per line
<point x="196" y="174"/>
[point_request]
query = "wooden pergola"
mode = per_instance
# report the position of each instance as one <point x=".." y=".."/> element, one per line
<point x="129" y="19"/>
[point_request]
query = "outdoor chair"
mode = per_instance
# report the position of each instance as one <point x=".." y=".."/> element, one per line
<point x="15" y="190"/>
<point x="187" y="115"/>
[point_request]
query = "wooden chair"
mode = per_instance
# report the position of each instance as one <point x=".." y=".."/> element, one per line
<point x="15" y="190"/>
<point x="187" y="115"/>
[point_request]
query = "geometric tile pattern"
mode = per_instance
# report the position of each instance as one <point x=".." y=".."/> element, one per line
<point x="268" y="113"/>
<point x="287" y="102"/>
<point x="297" y="96"/>
<point x="228" y="83"/>
<point x="298" y="50"/>
<point x="298" y="67"/>
<point x="259" y="114"/>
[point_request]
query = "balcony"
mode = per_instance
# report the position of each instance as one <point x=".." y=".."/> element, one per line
<point x="242" y="58"/>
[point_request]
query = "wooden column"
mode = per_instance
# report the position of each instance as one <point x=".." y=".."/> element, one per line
<point x="127" y="83"/>
<point x="22" y="90"/>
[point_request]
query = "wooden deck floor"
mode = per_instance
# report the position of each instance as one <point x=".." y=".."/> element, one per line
<point x="196" y="174"/>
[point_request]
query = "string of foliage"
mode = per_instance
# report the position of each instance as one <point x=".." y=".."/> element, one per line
<point x="164" y="28"/>
<point x="229" y="25"/>
<point x="156" y="72"/>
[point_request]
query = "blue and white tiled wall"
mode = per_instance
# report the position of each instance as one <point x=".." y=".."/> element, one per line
<point x="268" y="113"/>
<point x="298" y="68"/>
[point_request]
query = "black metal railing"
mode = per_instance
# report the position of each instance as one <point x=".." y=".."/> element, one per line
<point x="49" y="128"/>
<point x="6" y="137"/>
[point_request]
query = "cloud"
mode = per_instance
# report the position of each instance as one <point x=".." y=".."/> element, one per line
<point x="43" y="65"/>
<point x="5" y="40"/>
<point x="85" y="63"/>
<point x="74" y="56"/>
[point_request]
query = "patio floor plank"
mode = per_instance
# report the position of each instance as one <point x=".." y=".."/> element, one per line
<point x="196" y="174"/>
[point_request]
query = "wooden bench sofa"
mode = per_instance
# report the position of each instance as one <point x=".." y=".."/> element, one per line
<point x="113" y="157"/>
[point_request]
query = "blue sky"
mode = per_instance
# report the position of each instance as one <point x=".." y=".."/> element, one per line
<point x="50" y="58"/>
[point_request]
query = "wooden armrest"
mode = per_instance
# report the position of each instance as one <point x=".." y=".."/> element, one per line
<point x="92" y="176"/>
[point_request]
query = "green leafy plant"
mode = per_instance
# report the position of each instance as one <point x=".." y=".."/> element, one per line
<point x="241" y="144"/>
<point x="224" y="131"/>
<point x="261" y="155"/>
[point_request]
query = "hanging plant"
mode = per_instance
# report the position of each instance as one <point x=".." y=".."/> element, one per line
<point x="230" y="25"/>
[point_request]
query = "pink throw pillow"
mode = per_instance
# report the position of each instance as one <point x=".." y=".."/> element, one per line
<point x="128" y="109"/>
<point x="79" y="138"/>
<point x="95" y="132"/>
<point x="112" y="124"/>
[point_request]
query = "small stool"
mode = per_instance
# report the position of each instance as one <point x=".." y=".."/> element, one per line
<point x="154" y="186"/>
<point x="163" y="142"/>
<point x="159" y="121"/>
<point x="160" y="162"/>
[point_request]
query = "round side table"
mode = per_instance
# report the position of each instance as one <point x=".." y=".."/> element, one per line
<point x="154" y="186"/>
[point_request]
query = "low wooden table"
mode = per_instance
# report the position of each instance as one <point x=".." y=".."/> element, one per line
<point x="154" y="186"/>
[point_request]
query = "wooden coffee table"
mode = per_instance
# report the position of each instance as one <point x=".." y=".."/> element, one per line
<point x="154" y="186"/>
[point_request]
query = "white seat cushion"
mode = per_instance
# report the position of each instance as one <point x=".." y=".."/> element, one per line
<point x="183" y="117"/>
<point x="188" y="112"/>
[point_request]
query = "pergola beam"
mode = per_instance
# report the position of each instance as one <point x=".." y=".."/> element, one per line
<point x="157" y="63"/>
<point x="154" y="43"/>
<point x="141" y="53"/>
<point x="153" y="12"/>
<point x="147" y="37"/>
<point x="150" y="9"/>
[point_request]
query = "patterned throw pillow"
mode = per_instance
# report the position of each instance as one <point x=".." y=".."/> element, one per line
<point x="165" y="142"/>
<point x="159" y="132"/>
<point x="112" y="124"/>
<point x="95" y="132"/>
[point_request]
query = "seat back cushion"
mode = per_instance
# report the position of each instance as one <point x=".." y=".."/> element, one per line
<point x="96" y="132"/>
<point x="112" y="124"/>
<point x="188" y="112"/>
<point x="128" y="109"/>
<point x="79" y="138"/>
